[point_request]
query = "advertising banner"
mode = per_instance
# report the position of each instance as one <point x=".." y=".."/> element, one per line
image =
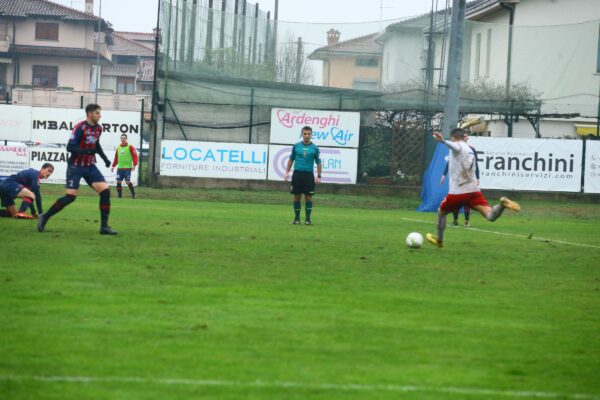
<point x="330" y="128"/>
<point x="213" y="160"/>
<point x="592" y="167"/>
<point x="54" y="125"/>
<point x="58" y="156"/>
<point x="13" y="159"/>
<point x="339" y="165"/>
<point x="529" y="164"/>
<point x="15" y="123"/>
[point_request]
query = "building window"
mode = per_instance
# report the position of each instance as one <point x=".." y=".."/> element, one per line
<point x="45" y="76"/>
<point x="125" y="85"/>
<point x="488" y="56"/>
<point x="365" y="84"/>
<point x="367" y="62"/>
<point x="477" y="55"/>
<point x="46" y="31"/>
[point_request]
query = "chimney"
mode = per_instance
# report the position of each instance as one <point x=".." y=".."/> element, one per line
<point x="333" y="37"/>
<point x="89" y="7"/>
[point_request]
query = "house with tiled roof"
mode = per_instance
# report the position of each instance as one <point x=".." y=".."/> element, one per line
<point x="129" y="62"/>
<point x="352" y="64"/>
<point x="44" y="45"/>
<point x="145" y="38"/>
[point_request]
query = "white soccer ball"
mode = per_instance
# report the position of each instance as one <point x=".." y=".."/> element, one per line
<point x="414" y="240"/>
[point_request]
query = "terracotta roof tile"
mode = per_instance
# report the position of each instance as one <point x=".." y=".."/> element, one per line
<point x="123" y="46"/>
<point x="363" y="45"/>
<point x="42" y="8"/>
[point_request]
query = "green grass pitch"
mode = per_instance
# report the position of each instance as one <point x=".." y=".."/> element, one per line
<point x="213" y="294"/>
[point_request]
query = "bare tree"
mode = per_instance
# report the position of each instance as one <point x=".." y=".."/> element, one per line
<point x="292" y="65"/>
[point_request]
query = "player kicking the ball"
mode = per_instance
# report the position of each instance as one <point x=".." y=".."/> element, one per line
<point x="83" y="145"/>
<point x="463" y="188"/>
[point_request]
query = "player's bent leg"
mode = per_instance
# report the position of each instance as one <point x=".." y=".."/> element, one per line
<point x="68" y="198"/>
<point x="131" y="188"/>
<point x="9" y="212"/>
<point x="441" y="226"/>
<point x="119" y="189"/>
<point x="28" y="197"/>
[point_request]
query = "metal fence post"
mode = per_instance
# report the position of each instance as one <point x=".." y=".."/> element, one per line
<point x="141" y="144"/>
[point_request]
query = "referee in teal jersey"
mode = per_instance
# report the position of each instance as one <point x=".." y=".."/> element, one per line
<point x="304" y="155"/>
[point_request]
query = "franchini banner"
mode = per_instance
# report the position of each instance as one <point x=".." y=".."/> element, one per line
<point x="529" y="164"/>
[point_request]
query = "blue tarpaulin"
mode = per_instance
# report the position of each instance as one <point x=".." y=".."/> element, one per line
<point x="432" y="193"/>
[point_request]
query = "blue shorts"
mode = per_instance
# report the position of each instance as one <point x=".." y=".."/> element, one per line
<point x="91" y="174"/>
<point x="9" y="189"/>
<point x="123" y="174"/>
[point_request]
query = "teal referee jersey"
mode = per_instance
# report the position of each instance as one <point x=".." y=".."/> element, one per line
<point x="304" y="156"/>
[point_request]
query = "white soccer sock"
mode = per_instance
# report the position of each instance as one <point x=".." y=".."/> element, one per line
<point x="495" y="212"/>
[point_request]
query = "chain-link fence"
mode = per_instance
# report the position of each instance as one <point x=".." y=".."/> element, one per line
<point x="225" y="65"/>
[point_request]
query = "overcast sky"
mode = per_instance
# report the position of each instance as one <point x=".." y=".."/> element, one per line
<point x="140" y="15"/>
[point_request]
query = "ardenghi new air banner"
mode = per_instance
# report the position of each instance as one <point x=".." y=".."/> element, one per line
<point x="213" y="160"/>
<point x="330" y="128"/>
<point x="529" y="164"/>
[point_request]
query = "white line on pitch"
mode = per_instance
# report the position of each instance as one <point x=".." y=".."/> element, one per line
<point x="298" y="385"/>
<point x="540" y="239"/>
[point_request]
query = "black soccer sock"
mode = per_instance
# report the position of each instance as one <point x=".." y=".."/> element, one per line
<point x="467" y="213"/>
<point x="297" y="209"/>
<point x="308" y="209"/>
<point x="5" y="214"/>
<point x="27" y="202"/>
<point x="130" y="185"/>
<point x="441" y="226"/>
<point x="119" y="189"/>
<point x="455" y="214"/>
<point x="59" y="205"/>
<point x="104" y="207"/>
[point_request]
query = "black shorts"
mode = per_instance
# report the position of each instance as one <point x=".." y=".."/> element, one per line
<point x="91" y="174"/>
<point x="303" y="182"/>
<point x="9" y="189"/>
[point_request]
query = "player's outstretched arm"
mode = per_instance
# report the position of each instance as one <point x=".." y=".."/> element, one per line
<point x="100" y="152"/>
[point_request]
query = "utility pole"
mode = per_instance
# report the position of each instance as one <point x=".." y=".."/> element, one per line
<point x="455" y="58"/>
<point x="98" y="54"/>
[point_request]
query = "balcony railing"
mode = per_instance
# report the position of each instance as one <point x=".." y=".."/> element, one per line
<point x="75" y="99"/>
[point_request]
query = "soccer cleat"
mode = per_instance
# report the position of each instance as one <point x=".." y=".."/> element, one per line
<point x="434" y="240"/>
<point x="455" y="222"/>
<point x="107" y="230"/>
<point x="22" y="215"/>
<point x="296" y="222"/>
<point x="41" y="224"/>
<point x="467" y="224"/>
<point x="508" y="203"/>
<point x="308" y="222"/>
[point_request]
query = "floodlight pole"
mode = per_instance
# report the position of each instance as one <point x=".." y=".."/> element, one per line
<point x="98" y="54"/>
<point x="457" y="29"/>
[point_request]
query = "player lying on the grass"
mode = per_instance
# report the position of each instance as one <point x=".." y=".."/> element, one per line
<point x="463" y="187"/>
<point x="126" y="159"/>
<point x="466" y="209"/>
<point x="304" y="155"/>
<point x="25" y="185"/>
<point x="83" y="145"/>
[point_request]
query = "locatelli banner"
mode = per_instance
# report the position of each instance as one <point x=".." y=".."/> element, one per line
<point x="330" y="128"/>
<point x="529" y="164"/>
<point x="339" y="165"/>
<point x="592" y="167"/>
<point x="213" y="160"/>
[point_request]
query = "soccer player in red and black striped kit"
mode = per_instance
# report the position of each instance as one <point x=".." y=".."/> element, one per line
<point x="83" y="145"/>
